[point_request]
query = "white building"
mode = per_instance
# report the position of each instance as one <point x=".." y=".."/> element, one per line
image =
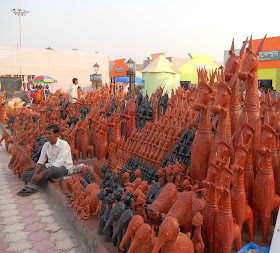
<point x="60" y="65"/>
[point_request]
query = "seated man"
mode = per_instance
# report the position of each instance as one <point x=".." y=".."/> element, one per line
<point x="54" y="162"/>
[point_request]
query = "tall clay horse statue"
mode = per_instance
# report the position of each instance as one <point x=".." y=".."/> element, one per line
<point x="249" y="74"/>
<point x="265" y="199"/>
<point x="232" y="65"/>
<point x="226" y="231"/>
<point x="241" y="211"/>
<point x="221" y="107"/>
<point x="203" y="137"/>
<point x="211" y="208"/>
<point x="247" y="133"/>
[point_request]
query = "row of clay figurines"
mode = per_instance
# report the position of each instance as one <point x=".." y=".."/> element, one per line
<point x="168" y="203"/>
<point x="227" y="208"/>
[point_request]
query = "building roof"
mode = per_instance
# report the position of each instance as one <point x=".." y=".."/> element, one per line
<point x="119" y="69"/>
<point x="198" y="61"/>
<point x="178" y="61"/>
<point x="139" y="67"/>
<point x="161" y="65"/>
<point x="271" y="45"/>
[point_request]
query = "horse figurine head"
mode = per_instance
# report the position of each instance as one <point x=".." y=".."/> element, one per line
<point x="233" y="62"/>
<point x="223" y="95"/>
<point x="204" y="91"/>
<point x="251" y="60"/>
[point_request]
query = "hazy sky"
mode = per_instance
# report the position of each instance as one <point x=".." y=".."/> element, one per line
<point x="131" y="28"/>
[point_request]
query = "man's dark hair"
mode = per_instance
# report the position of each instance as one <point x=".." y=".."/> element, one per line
<point x="55" y="128"/>
<point x="74" y="80"/>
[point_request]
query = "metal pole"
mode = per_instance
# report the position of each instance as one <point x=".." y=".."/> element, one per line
<point x="19" y="13"/>
<point x="129" y="82"/>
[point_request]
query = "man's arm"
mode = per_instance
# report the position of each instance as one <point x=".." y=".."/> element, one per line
<point x="42" y="160"/>
<point x="37" y="177"/>
<point x="43" y="156"/>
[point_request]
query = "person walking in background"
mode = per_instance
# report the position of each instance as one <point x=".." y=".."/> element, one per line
<point x="28" y="94"/>
<point x="32" y="96"/>
<point x="39" y="95"/>
<point x="74" y="91"/>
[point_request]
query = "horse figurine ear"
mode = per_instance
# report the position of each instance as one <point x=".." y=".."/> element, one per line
<point x="268" y="100"/>
<point x="261" y="45"/>
<point x="212" y="78"/>
<point x="243" y="48"/>
<point x="231" y="51"/>
<point x="250" y="46"/>
<point x="274" y="100"/>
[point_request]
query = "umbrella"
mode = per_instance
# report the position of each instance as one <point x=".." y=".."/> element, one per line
<point x="44" y="79"/>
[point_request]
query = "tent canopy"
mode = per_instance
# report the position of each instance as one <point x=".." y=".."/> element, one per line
<point x="161" y="65"/>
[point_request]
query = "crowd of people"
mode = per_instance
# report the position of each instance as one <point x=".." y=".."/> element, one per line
<point x="37" y="93"/>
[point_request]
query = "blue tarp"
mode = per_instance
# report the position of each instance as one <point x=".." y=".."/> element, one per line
<point x="125" y="79"/>
<point x="252" y="245"/>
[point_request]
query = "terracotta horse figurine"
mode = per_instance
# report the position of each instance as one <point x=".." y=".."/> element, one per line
<point x="233" y="65"/>
<point x="203" y="137"/>
<point x="226" y="231"/>
<point x="247" y="133"/>
<point x="8" y="139"/>
<point x="265" y="199"/>
<point x="242" y="212"/>
<point x="249" y="74"/>
<point x="115" y="135"/>
<point x="277" y="129"/>
<point x="268" y="108"/>
<point x="221" y="107"/>
<point x="211" y="208"/>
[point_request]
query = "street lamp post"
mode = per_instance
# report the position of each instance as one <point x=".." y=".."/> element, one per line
<point x="130" y="65"/>
<point x="19" y="13"/>
<point x="96" y="68"/>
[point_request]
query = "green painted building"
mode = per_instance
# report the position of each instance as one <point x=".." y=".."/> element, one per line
<point x="160" y="72"/>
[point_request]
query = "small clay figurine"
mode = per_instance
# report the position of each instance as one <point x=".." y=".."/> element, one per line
<point x="170" y="239"/>
<point x="197" y="240"/>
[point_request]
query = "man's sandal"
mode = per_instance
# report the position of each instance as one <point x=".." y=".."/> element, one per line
<point x="26" y="191"/>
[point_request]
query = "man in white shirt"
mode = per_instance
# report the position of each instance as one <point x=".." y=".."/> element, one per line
<point x="54" y="162"/>
<point x="74" y="91"/>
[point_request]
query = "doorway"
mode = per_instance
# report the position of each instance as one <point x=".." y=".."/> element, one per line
<point x="266" y="85"/>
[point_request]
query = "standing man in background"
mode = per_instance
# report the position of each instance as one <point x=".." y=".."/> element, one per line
<point x="74" y="91"/>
